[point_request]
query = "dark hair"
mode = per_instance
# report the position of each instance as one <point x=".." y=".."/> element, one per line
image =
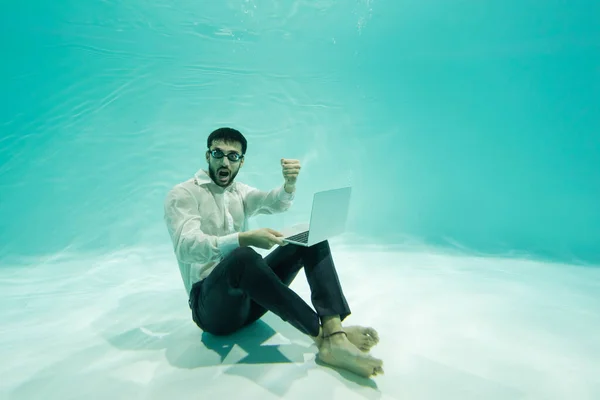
<point x="227" y="135"/>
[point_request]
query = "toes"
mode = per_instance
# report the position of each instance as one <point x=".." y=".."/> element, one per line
<point x="377" y="371"/>
<point x="366" y="345"/>
<point x="372" y="333"/>
<point x="365" y="336"/>
<point x="368" y="342"/>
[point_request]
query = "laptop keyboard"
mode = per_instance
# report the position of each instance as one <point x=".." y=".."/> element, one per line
<point x="300" y="237"/>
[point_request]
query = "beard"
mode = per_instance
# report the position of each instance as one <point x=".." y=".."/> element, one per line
<point x="215" y="176"/>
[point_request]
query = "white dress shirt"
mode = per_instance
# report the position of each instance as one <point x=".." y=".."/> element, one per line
<point x="204" y="220"/>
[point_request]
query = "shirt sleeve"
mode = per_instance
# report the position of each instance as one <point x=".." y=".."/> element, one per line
<point x="183" y="220"/>
<point x="261" y="202"/>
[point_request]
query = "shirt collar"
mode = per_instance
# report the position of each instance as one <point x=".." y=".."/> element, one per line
<point x="201" y="177"/>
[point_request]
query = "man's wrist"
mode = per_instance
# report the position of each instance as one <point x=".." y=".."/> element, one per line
<point x="244" y="239"/>
<point x="228" y="243"/>
<point x="289" y="188"/>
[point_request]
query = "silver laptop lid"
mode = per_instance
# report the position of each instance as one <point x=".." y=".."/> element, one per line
<point x="329" y="214"/>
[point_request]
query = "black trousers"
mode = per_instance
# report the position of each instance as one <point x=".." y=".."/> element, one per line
<point x="244" y="286"/>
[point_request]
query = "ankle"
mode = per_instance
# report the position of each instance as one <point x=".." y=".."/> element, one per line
<point x="336" y="337"/>
<point x="320" y="335"/>
<point x="331" y="324"/>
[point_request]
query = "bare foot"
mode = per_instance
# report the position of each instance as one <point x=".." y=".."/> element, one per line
<point x="337" y="351"/>
<point x="361" y="337"/>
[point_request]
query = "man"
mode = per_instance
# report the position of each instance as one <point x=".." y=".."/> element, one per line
<point x="230" y="285"/>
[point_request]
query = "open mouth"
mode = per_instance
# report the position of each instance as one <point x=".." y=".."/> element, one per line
<point x="223" y="175"/>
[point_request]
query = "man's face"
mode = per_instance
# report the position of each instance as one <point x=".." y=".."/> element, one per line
<point x="221" y="169"/>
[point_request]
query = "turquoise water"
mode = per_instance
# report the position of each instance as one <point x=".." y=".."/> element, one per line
<point x="473" y="123"/>
<point x="470" y="127"/>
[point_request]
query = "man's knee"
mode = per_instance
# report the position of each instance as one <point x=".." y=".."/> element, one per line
<point x="246" y="258"/>
<point x="324" y="244"/>
<point x="321" y="247"/>
<point x="245" y="254"/>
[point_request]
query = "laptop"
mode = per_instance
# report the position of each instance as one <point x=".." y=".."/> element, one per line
<point x="327" y="218"/>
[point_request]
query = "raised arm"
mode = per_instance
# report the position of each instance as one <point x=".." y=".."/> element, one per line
<point x="190" y="244"/>
<point x="261" y="202"/>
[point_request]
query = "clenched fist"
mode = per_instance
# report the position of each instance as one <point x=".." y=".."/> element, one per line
<point x="290" y="169"/>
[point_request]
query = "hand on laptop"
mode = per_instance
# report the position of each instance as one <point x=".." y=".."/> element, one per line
<point x="263" y="238"/>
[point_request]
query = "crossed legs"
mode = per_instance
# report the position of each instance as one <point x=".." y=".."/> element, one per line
<point x="244" y="286"/>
